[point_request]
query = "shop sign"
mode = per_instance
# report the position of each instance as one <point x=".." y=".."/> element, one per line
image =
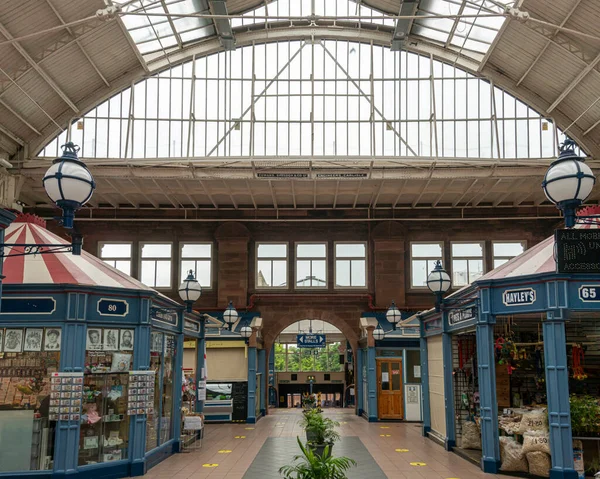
<point x="112" y="307"/>
<point x="433" y="324"/>
<point x="310" y="340"/>
<point x="589" y="293"/>
<point x="169" y="317"/>
<point x="456" y="316"/>
<point x="410" y="331"/>
<point x="225" y="344"/>
<point x="518" y="297"/>
<point x="341" y="175"/>
<point x="577" y="250"/>
<point x="29" y="305"/>
<point x="282" y="175"/>
<point x="192" y="326"/>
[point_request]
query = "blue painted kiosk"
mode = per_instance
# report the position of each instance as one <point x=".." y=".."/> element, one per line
<point x="519" y="316"/>
<point x="90" y="365"/>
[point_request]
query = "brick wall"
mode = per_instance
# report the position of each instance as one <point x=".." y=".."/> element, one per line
<point x="234" y="260"/>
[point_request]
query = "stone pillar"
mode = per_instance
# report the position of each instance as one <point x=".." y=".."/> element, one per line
<point x="486" y="366"/>
<point x="389" y="272"/>
<point x="233" y="263"/>
<point x="371" y="375"/>
<point x="200" y="374"/>
<point x="557" y="388"/>
<point x="251" y="419"/>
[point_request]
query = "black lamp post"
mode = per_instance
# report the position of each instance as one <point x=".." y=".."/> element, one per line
<point x="190" y="291"/>
<point x="393" y="315"/>
<point x="438" y="283"/>
<point x="230" y="315"/>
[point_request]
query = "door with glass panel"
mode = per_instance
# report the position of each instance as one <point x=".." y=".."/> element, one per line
<point x="389" y="389"/>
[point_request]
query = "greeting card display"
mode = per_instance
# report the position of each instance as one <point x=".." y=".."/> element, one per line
<point x="66" y="393"/>
<point x="141" y="392"/>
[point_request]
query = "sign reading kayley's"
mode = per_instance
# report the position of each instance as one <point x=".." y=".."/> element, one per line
<point x="456" y="316"/>
<point x="578" y="250"/>
<point x="518" y="297"/>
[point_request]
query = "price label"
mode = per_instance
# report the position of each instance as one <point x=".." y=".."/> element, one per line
<point x="589" y="293"/>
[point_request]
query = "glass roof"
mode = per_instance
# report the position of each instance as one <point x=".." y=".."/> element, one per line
<point x="316" y="325"/>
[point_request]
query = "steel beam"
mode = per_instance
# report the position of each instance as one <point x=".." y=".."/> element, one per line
<point x="403" y="26"/>
<point x="222" y="25"/>
<point x="591" y="66"/>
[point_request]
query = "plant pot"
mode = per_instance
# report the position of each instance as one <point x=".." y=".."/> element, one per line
<point x="310" y="436"/>
<point x="318" y="449"/>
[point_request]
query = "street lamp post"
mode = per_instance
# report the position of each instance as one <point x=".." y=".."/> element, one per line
<point x="230" y="315"/>
<point x="568" y="182"/>
<point x="378" y="333"/>
<point x="190" y="291"/>
<point x="393" y="315"/>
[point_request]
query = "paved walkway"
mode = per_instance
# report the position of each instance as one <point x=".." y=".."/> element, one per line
<point x="240" y="451"/>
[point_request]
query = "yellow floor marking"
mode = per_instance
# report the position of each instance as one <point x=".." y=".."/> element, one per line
<point x="210" y="465"/>
<point x="240" y="437"/>
<point x="248" y="428"/>
<point x="384" y="427"/>
<point x="224" y="451"/>
<point x="418" y="464"/>
<point x="401" y="450"/>
<point x="385" y="435"/>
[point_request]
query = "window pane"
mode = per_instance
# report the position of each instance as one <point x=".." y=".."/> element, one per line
<point x="459" y="272"/>
<point x="115" y="250"/>
<point x="475" y="269"/>
<point x="431" y="250"/>
<point x="385" y="377"/>
<point x="471" y="250"/>
<point x="302" y="272"/>
<point x="196" y="251"/>
<point x="163" y="274"/>
<point x="419" y="273"/>
<point x="203" y="273"/>
<point x="358" y="272"/>
<point x="319" y="276"/>
<point x="499" y="262"/>
<point x="350" y="250"/>
<point x="124" y="266"/>
<point x="263" y="277"/>
<point x="148" y="273"/>
<point x="156" y="251"/>
<point x="413" y="365"/>
<point x="342" y="273"/>
<point x="272" y="250"/>
<point x="185" y="268"/>
<point x="311" y="251"/>
<point x="396" y="375"/>
<point x="508" y="249"/>
<point x="279" y="273"/>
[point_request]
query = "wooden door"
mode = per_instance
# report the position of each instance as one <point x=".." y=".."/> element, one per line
<point x="390" y="403"/>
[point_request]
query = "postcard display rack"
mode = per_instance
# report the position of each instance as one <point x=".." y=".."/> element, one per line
<point x="141" y="392"/>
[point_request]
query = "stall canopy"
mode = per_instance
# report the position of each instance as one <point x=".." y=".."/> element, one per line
<point x="63" y="268"/>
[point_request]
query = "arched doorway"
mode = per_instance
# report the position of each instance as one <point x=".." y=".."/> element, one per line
<point x="325" y="369"/>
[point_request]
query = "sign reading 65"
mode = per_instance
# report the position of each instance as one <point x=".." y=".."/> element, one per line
<point x="589" y="293"/>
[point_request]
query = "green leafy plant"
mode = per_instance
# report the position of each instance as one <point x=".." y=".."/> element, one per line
<point x="322" y="430"/>
<point x="313" y="466"/>
<point x="585" y="415"/>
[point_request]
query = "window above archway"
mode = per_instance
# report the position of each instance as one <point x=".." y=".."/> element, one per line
<point x="328" y="99"/>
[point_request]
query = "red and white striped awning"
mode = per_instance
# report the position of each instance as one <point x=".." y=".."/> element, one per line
<point x="540" y="258"/>
<point x="59" y="268"/>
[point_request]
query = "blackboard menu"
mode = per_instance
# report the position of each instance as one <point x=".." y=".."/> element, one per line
<point x="578" y="250"/>
<point x="239" y="395"/>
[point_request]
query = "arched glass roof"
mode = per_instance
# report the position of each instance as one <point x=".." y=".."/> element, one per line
<point x="323" y="99"/>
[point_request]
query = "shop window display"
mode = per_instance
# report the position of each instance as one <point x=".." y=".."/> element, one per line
<point x="28" y="357"/>
<point x="104" y="429"/>
<point x="159" y="427"/>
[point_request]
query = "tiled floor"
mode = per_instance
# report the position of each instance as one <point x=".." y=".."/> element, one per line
<point x="233" y="451"/>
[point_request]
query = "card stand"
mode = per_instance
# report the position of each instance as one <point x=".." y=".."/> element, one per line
<point x="192" y="433"/>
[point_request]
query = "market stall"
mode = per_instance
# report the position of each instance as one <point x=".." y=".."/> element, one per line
<point x="88" y="365"/>
<point x="525" y="368"/>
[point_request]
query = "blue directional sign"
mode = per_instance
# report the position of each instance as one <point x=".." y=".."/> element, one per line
<point x="310" y="340"/>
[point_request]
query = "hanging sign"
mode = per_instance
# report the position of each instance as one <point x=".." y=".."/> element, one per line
<point x="310" y="340"/>
<point x="518" y="297"/>
<point x="112" y="307"/>
<point x="577" y="250"/>
<point x="191" y="325"/>
<point x="456" y="316"/>
<point x="589" y="293"/>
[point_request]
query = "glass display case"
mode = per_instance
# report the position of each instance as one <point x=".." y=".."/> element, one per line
<point x="28" y="356"/>
<point x="104" y="432"/>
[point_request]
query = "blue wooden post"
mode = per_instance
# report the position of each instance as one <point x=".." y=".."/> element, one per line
<point x="557" y="387"/>
<point x="450" y="440"/>
<point x="66" y="452"/>
<point x="137" y="423"/>
<point x="359" y="382"/>
<point x="486" y="366"/>
<point x="425" y="383"/>
<point x="262" y="369"/>
<point x="200" y="344"/>
<point x="178" y="385"/>
<point x="371" y="376"/>
<point x="273" y="399"/>
<point x="251" y="385"/>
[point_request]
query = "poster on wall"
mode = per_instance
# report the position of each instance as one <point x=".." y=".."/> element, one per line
<point x="33" y="339"/>
<point x="201" y="390"/>
<point x="94" y="339"/>
<point x="13" y="341"/>
<point x="52" y="339"/>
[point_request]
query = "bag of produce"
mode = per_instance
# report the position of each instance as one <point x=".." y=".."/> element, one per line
<point x="536" y="441"/>
<point x="539" y="463"/>
<point x="511" y="455"/>
<point x="536" y="420"/>
<point x="471" y="436"/>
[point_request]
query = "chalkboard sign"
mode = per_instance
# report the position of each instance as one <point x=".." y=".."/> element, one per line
<point x="239" y="394"/>
<point x="578" y="250"/>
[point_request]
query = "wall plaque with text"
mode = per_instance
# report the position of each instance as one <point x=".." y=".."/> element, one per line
<point x="578" y="250"/>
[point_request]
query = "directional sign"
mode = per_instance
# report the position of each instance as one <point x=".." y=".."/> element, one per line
<point x="310" y="340"/>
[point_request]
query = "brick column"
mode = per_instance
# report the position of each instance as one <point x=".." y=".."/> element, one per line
<point x="233" y="256"/>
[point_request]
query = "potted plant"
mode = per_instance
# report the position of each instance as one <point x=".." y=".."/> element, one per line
<point x="311" y="416"/>
<point x="323" y="433"/>
<point x="585" y="415"/>
<point x="314" y="466"/>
